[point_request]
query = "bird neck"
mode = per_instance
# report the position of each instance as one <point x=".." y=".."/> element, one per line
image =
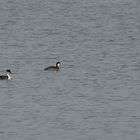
<point x="9" y="77"/>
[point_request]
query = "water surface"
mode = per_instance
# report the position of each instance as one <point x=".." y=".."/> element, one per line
<point x="95" y="95"/>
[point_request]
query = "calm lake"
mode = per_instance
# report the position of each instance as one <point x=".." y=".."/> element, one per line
<point x="96" y="93"/>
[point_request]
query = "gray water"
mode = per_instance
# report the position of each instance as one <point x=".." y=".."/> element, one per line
<point x="96" y="93"/>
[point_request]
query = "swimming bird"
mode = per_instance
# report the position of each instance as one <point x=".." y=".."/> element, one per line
<point x="6" y="76"/>
<point x="53" y="68"/>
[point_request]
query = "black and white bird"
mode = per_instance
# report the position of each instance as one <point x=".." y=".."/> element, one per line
<point x="6" y="76"/>
<point x="53" y="68"/>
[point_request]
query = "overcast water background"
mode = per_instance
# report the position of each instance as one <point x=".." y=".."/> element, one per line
<point x="96" y="93"/>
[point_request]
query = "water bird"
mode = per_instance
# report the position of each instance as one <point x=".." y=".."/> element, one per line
<point x="53" y="68"/>
<point x="6" y="76"/>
